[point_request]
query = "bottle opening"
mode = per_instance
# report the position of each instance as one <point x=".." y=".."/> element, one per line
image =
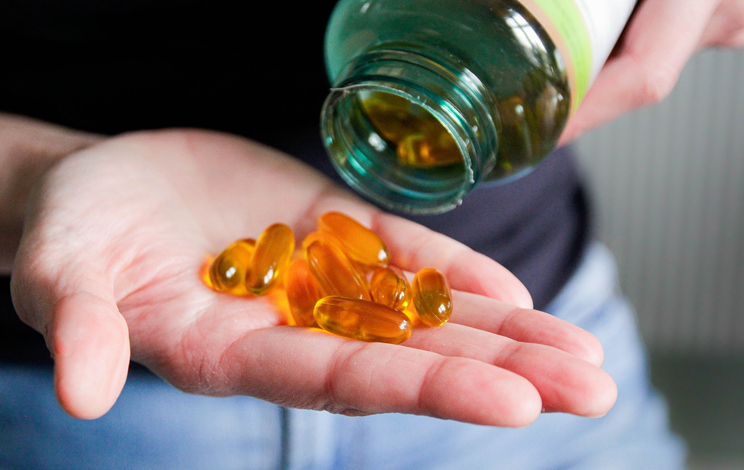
<point x="419" y="140"/>
<point x="399" y="147"/>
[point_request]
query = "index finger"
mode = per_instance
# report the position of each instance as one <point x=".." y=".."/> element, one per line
<point x="308" y="368"/>
<point x="414" y="247"/>
<point x="658" y="42"/>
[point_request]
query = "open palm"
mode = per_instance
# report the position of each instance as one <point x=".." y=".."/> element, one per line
<point x="109" y="261"/>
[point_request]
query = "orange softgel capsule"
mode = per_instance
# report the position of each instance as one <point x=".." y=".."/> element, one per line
<point x="390" y="287"/>
<point x="362" y="320"/>
<point x="335" y="274"/>
<point x="228" y="271"/>
<point x="360" y="244"/>
<point x="273" y="253"/>
<point x="432" y="297"/>
<point x="322" y="236"/>
<point x="302" y="292"/>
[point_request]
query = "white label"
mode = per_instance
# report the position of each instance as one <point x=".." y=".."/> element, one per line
<point x="605" y="20"/>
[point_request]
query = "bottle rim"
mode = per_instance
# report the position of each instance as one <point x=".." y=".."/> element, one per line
<point x="386" y="183"/>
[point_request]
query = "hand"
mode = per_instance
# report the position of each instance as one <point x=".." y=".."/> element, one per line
<point x="28" y="148"/>
<point x="658" y="41"/>
<point x="109" y="261"/>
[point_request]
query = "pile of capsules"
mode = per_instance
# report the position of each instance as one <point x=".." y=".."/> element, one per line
<point x="340" y="280"/>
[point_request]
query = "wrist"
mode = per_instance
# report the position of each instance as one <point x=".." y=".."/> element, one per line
<point x="28" y="148"/>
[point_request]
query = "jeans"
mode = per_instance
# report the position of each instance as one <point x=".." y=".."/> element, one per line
<point x="154" y="426"/>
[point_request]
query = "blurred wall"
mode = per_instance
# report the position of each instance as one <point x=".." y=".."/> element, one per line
<point x="668" y="182"/>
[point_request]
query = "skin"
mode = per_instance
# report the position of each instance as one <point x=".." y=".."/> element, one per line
<point x="656" y="45"/>
<point x="109" y="261"/>
<point x="105" y="237"/>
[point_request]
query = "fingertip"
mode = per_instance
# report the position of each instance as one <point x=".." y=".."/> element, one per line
<point x="603" y="397"/>
<point x="88" y="397"/>
<point x="521" y="408"/>
<point x="521" y="297"/>
<point x="485" y="395"/>
<point x="583" y="345"/>
<point x="592" y="393"/>
<point x="593" y="352"/>
<point x="90" y="346"/>
<point x="495" y="281"/>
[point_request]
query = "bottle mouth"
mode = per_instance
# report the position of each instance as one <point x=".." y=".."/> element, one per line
<point x="402" y="147"/>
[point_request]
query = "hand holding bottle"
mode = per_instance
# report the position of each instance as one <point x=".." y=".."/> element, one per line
<point x="658" y="41"/>
<point x="108" y="266"/>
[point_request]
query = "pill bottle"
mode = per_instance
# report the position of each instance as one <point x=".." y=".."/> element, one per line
<point x="431" y="97"/>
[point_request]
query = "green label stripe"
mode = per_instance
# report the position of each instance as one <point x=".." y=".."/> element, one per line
<point x="569" y="22"/>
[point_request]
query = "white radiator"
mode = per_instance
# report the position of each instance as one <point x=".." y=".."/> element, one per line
<point x="668" y="183"/>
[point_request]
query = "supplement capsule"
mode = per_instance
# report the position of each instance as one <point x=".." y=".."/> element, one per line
<point x="392" y="117"/>
<point x="432" y="297"/>
<point x="362" y="320"/>
<point x="360" y="244"/>
<point x="302" y="292"/>
<point x="318" y="235"/>
<point x="335" y="274"/>
<point x="390" y="287"/>
<point x="419" y="138"/>
<point x="428" y="150"/>
<point x="273" y="253"/>
<point x="229" y="269"/>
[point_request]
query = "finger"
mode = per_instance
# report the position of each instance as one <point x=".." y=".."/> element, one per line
<point x="525" y="325"/>
<point x="658" y="42"/>
<point x="726" y="26"/>
<point x="565" y="382"/>
<point x="90" y="346"/>
<point x="414" y="247"/>
<point x="306" y="368"/>
<point x="86" y="336"/>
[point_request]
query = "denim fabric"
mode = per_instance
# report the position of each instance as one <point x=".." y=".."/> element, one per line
<point x="153" y="426"/>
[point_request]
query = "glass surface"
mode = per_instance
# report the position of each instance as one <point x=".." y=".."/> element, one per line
<point x="498" y="72"/>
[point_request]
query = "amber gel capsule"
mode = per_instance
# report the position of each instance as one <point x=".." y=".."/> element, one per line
<point x="432" y="297"/>
<point x="390" y="287"/>
<point x="362" y="320"/>
<point x="335" y="274"/>
<point x="361" y="244"/>
<point x="322" y="236"/>
<point x="228" y="271"/>
<point x="302" y="292"/>
<point x="420" y="140"/>
<point x="274" y="250"/>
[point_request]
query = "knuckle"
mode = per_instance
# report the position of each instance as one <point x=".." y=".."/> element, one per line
<point x="730" y="30"/>
<point x="658" y="83"/>
<point x="340" y="409"/>
<point x="739" y="39"/>
<point x="735" y="15"/>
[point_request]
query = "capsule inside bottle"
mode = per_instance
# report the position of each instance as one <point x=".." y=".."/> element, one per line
<point x="362" y="320"/>
<point x="419" y="138"/>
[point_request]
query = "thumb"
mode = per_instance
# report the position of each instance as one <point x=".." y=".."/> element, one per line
<point x="659" y="40"/>
<point x="88" y="340"/>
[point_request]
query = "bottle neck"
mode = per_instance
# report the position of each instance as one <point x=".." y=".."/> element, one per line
<point x="390" y="103"/>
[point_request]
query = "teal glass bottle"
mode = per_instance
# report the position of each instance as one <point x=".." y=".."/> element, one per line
<point x="431" y="97"/>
